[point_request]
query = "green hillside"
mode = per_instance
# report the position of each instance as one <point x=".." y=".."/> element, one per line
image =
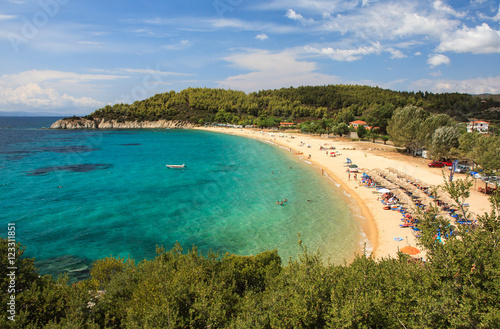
<point x="268" y="107"/>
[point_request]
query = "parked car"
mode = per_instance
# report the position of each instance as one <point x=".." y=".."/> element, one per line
<point x="461" y="168"/>
<point x="436" y="164"/>
<point x="448" y="163"/>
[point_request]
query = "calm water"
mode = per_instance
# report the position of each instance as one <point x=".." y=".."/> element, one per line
<point x="77" y="196"/>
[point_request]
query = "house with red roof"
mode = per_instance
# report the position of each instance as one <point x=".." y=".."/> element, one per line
<point x="480" y="126"/>
<point x="357" y="123"/>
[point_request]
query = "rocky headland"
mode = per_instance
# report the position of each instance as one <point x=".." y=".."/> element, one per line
<point x="101" y="123"/>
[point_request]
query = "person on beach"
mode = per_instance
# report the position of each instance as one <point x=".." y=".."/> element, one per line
<point x="348" y="175"/>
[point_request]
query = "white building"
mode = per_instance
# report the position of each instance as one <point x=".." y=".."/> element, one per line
<point x="480" y="126"/>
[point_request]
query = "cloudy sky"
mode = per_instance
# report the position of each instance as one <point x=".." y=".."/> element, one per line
<point x="74" y="56"/>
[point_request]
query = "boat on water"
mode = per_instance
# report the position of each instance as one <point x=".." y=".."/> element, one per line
<point x="176" y="166"/>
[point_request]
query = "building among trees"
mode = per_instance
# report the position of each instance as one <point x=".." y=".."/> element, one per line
<point x="480" y="126"/>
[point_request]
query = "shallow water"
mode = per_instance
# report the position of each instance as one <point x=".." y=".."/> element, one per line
<point x="77" y="196"/>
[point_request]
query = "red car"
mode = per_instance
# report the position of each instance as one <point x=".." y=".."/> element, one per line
<point x="436" y="164"/>
<point x="448" y="163"/>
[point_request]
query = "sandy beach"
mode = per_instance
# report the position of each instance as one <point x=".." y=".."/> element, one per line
<point x="380" y="226"/>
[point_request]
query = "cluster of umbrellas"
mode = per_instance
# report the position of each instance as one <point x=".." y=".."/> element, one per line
<point x="409" y="183"/>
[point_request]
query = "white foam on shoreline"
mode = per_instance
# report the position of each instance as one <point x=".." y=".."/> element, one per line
<point x="366" y="242"/>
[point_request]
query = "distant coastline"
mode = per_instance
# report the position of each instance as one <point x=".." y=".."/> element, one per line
<point x="102" y="123"/>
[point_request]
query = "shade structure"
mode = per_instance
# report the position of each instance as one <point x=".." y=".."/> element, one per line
<point x="383" y="190"/>
<point x="410" y="250"/>
<point x="353" y="166"/>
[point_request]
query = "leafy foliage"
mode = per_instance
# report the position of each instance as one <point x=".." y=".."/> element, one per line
<point x="340" y="102"/>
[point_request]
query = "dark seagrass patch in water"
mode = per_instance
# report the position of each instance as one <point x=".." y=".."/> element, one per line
<point x="85" y="167"/>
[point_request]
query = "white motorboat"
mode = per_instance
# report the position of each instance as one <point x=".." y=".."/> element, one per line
<point x="176" y="166"/>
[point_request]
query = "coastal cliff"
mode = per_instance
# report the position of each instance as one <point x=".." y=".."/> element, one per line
<point x="101" y="123"/>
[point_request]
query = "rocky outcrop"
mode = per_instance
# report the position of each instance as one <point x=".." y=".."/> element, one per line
<point x="100" y="123"/>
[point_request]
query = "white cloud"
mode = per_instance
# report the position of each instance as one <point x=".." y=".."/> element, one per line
<point x="50" y="76"/>
<point x="298" y="17"/>
<point x="262" y="36"/>
<point x="497" y="16"/>
<point x="6" y="17"/>
<point x="355" y="54"/>
<point x="471" y="86"/>
<point x="149" y="71"/>
<point x="323" y="7"/>
<point x="436" y="74"/>
<point x="438" y="59"/>
<point x="348" y="55"/>
<point x="270" y="70"/>
<point x="391" y="20"/>
<point x="418" y="53"/>
<point x="395" y="53"/>
<point x="33" y="95"/>
<point x="479" y="40"/>
<point x="231" y="23"/>
<point x="49" y="89"/>
<point x="441" y="6"/>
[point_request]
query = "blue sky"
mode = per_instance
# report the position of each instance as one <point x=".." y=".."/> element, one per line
<point x="73" y="56"/>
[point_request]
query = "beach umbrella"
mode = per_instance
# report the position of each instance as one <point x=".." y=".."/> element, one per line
<point x="353" y="166"/>
<point x="410" y="250"/>
<point x="383" y="190"/>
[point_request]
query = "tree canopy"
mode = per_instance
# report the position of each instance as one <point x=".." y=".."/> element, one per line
<point x="342" y="102"/>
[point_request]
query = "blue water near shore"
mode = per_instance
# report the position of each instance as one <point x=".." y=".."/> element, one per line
<point x="79" y="195"/>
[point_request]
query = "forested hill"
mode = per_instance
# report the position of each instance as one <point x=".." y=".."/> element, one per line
<point x="267" y="107"/>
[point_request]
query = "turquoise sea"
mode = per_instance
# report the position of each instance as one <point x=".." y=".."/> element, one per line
<point x="79" y="195"/>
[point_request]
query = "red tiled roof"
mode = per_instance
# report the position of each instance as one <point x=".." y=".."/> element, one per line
<point x="359" y="122"/>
